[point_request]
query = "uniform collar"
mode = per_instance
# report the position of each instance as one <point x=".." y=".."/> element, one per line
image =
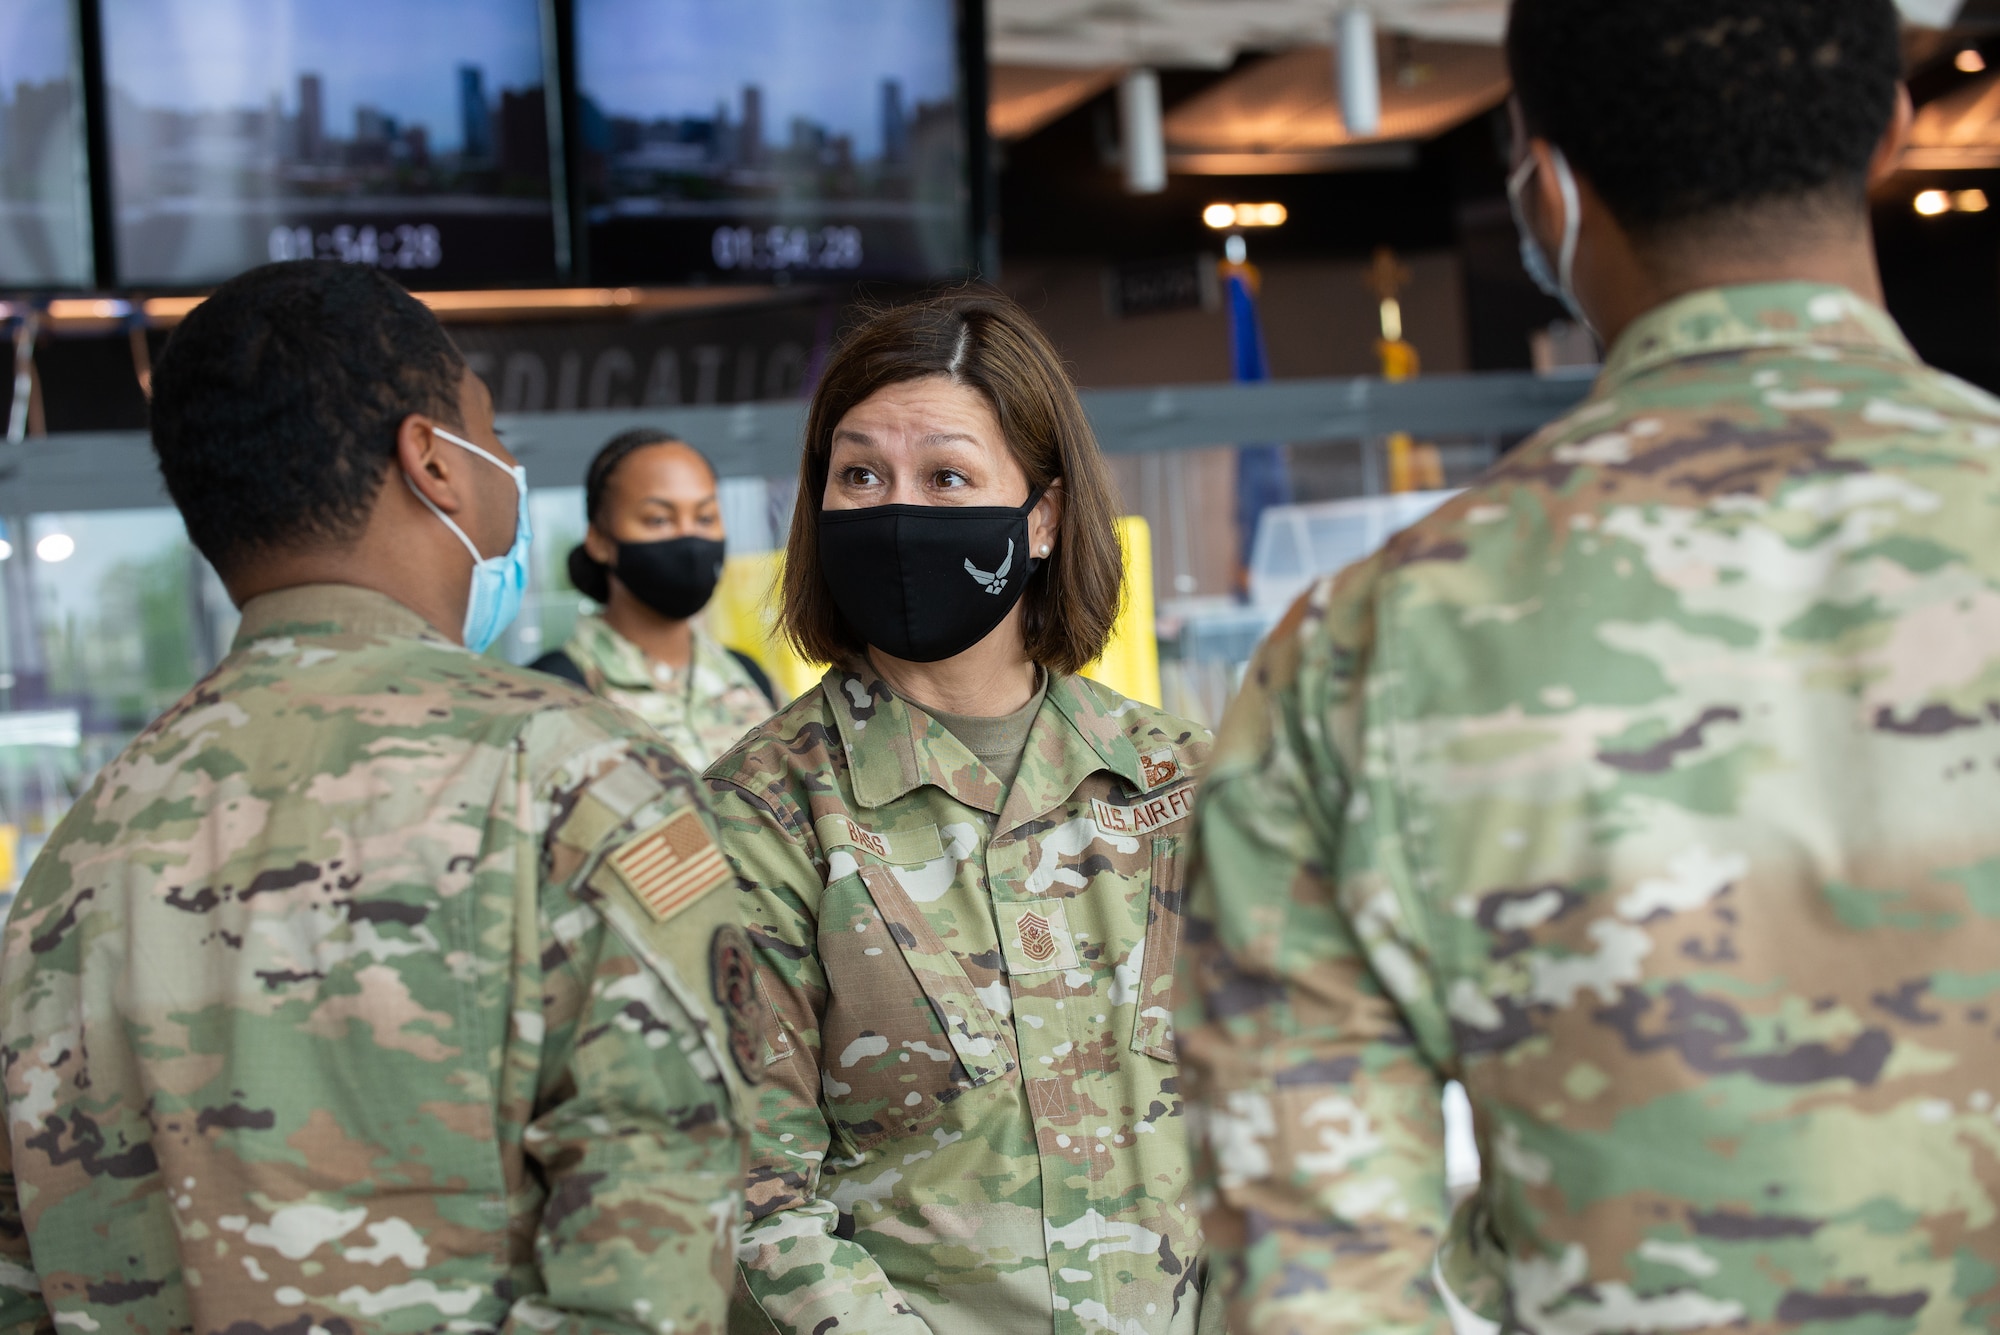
<point x="323" y="610"/>
<point x="1724" y="320"/>
<point x="893" y="748"/>
<point x="622" y="663"/>
<point x="619" y="661"/>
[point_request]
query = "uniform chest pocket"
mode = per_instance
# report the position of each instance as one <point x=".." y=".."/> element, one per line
<point x="904" y="1031"/>
<point x="1153" y="1027"/>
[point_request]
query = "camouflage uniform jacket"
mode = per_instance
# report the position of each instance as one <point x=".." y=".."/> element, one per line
<point x="971" y="1122"/>
<point x="343" y="1002"/>
<point x="1652" y="788"/>
<point x="702" y="710"/>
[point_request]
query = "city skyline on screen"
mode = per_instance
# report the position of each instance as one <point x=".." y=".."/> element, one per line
<point x="399" y="58"/>
<point x="826" y="63"/>
<point x="44" y="178"/>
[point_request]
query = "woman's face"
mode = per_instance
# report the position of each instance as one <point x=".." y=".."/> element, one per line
<point x="659" y="492"/>
<point x="931" y="442"/>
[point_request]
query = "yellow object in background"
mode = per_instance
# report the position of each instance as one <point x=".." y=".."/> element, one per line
<point x="744" y="616"/>
<point x="1399" y="360"/>
<point x="1131" y="662"/>
<point x="1414" y="467"/>
<point x="10" y="855"/>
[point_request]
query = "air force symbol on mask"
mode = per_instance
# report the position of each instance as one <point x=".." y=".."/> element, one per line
<point x="995" y="583"/>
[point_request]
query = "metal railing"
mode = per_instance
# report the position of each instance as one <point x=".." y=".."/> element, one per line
<point x="115" y="470"/>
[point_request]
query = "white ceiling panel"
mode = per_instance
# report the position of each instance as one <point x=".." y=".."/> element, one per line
<point x="1206" y="33"/>
<point x="1211" y="33"/>
<point x="1281" y="114"/>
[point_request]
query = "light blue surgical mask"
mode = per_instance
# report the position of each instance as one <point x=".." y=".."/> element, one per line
<point x="1558" y="280"/>
<point x="499" y="583"/>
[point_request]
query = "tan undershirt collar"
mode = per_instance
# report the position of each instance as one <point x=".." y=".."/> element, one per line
<point x="1000" y="743"/>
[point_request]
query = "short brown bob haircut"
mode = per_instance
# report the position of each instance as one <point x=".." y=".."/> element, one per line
<point x="980" y="339"/>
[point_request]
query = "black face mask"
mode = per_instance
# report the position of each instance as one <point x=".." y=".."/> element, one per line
<point x="924" y="583"/>
<point x="675" y="578"/>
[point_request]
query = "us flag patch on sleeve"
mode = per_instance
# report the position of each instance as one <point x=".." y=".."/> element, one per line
<point x="671" y="865"/>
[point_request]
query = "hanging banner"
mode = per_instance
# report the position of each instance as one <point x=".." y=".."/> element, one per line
<point x="761" y="353"/>
<point x="767" y="351"/>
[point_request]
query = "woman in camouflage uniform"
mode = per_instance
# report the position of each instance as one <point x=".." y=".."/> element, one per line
<point x="652" y="557"/>
<point x="964" y="867"/>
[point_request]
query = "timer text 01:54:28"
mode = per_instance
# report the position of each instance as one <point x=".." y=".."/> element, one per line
<point x="406" y="246"/>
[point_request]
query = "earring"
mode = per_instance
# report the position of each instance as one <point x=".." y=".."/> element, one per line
<point x="1045" y="551"/>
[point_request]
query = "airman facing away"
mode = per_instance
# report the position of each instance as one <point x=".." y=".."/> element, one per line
<point x="1650" y="787"/>
<point x="378" y="985"/>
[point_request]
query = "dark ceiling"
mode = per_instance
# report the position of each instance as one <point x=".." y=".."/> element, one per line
<point x="1062" y="195"/>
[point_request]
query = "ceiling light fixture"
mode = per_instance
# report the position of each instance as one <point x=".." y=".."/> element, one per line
<point x="89" y="308"/>
<point x="1143" y="127"/>
<point x="1358" y="72"/>
<point x="1223" y="217"/>
<point x="1937" y="203"/>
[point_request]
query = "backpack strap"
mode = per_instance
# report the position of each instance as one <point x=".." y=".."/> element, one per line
<point x="558" y="663"/>
<point x="757" y="675"/>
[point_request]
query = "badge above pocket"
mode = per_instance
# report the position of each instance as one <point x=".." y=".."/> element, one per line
<point x="1036" y="937"/>
<point x="1159" y="768"/>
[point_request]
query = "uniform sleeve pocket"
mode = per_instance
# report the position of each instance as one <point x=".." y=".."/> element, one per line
<point x="1153" y="1029"/>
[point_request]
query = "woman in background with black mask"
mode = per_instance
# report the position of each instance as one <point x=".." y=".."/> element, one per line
<point x="652" y="556"/>
<point x="963" y="867"/>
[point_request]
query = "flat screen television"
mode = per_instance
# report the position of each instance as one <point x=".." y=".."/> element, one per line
<point x="751" y="140"/>
<point x="45" y="240"/>
<point x="408" y="134"/>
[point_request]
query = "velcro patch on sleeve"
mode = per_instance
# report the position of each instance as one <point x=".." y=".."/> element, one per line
<point x="671" y="865"/>
<point x="607" y="802"/>
<point x="627" y="788"/>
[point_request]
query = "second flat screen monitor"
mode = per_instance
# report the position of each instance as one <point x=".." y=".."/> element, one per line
<point x="743" y="140"/>
<point x="407" y="134"/>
